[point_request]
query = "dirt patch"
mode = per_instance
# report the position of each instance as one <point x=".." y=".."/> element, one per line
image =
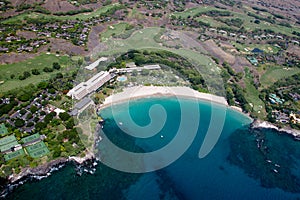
<point x="217" y="52"/>
<point x="59" y="6"/>
<point x="288" y="8"/>
<point x="191" y="5"/>
<point x="94" y="36"/>
<point x="64" y="6"/>
<point x="226" y="45"/>
<point x="240" y="64"/>
<point x="60" y="45"/>
<point x="15" y="57"/>
<point x="237" y="62"/>
<point x="93" y="6"/>
<point x="9" y="13"/>
<point x="27" y="34"/>
<point x="64" y="46"/>
<point x="293" y="49"/>
<point x="19" y="2"/>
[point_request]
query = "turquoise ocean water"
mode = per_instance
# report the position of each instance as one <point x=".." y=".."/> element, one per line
<point x="244" y="164"/>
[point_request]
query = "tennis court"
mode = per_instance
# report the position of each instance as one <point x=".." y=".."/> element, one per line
<point x="14" y="154"/>
<point x="8" y="146"/>
<point x="8" y="142"/>
<point x="3" y="129"/>
<point x="31" y="138"/>
<point x="37" y="150"/>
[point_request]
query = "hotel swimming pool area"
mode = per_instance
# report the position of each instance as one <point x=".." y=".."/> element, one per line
<point x="122" y="78"/>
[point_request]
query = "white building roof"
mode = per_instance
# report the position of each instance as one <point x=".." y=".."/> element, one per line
<point x="96" y="63"/>
<point x="128" y="70"/>
<point x="77" y="89"/>
<point x="84" y="88"/>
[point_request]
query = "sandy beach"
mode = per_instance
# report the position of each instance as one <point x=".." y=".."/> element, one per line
<point x="139" y="92"/>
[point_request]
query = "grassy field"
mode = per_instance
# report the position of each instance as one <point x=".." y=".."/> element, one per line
<point x="81" y="16"/>
<point x="144" y="39"/>
<point x="265" y="47"/>
<point x="250" y="25"/>
<point x="274" y="73"/>
<point x="211" y="21"/>
<point x="193" y="11"/>
<point x="248" y="20"/>
<point x="139" y="40"/>
<point x="252" y="96"/>
<point x="38" y="62"/>
<point x="115" y="29"/>
<point x="135" y="14"/>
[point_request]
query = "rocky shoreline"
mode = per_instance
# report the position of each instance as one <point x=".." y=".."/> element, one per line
<point x="82" y="164"/>
<point x="87" y="163"/>
<point x="258" y="124"/>
<point x="45" y="170"/>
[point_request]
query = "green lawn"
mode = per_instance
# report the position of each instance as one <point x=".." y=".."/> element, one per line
<point x="140" y="39"/>
<point x="250" y="25"/>
<point x="265" y="47"/>
<point x="252" y="96"/>
<point x="115" y="29"/>
<point x="275" y="73"/>
<point x="38" y="62"/>
<point x="193" y="11"/>
<point x="248" y="21"/>
<point x="81" y="16"/>
<point x="211" y="21"/>
<point x="144" y="39"/>
<point x="3" y="129"/>
<point x="134" y="13"/>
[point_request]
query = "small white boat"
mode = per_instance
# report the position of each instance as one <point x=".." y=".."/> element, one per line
<point x="275" y="170"/>
<point x="121" y="123"/>
<point x="161" y="136"/>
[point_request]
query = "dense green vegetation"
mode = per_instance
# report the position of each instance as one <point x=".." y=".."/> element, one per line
<point x="49" y="77"/>
<point x="283" y="88"/>
<point x="61" y="131"/>
<point x="121" y="30"/>
<point x="274" y="73"/>
<point x="181" y="65"/>
<point x="101" y="12"/>
<point x="33" y="71"/>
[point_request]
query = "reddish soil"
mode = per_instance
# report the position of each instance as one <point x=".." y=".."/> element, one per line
<point x="53" y="6"/>
<point x="62" y="45"/>
<point x="59" y="6"/>
<point x="94" y="37"/>
<point x="288" y="8"/>
<point x="237" y="62"/>
<point x="19" y="2"/>
<point x="217" y="52"/>
<point x="294" y="49"/>
<point x="27" y="34"/>
<point x="15" y="57"/>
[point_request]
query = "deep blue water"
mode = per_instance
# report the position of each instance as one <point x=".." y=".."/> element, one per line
<point x="240" y="166"/>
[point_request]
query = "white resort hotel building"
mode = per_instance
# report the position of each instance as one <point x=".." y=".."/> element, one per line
<point x="97" y="81"/>
<point x="91" y="85"/>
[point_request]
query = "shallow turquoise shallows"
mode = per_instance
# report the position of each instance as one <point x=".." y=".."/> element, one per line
<point x="244" y="163"/>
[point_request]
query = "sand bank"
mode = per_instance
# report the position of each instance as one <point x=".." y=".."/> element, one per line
<point x="139" y="92"/>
